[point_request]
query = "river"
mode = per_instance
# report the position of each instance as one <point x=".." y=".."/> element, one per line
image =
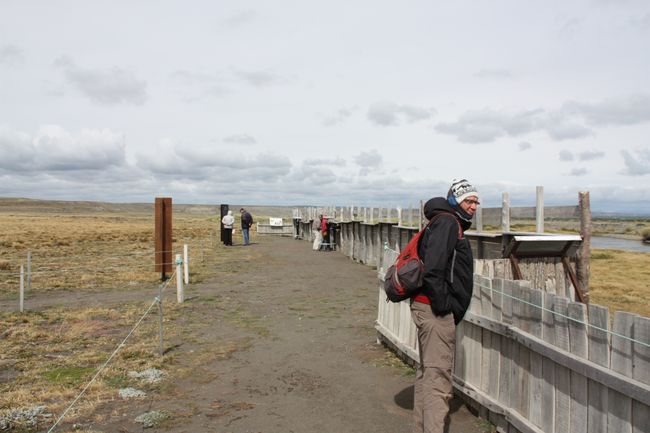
<point x="619" y="244"/>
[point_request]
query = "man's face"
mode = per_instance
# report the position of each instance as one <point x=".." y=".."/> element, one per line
<point x="469" y="205"/>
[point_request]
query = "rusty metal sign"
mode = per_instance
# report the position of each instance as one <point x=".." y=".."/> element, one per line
<point x="163" y="236"/>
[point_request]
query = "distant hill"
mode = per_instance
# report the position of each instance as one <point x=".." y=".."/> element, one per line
<point x="26" y="205"/>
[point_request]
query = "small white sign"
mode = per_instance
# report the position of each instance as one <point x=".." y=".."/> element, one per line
<point x="275" y="221"/>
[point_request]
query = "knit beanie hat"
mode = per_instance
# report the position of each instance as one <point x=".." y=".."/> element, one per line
<point x="460" y="190"/>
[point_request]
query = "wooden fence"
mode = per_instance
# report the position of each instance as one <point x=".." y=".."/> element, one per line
<point x="534" y="361"/>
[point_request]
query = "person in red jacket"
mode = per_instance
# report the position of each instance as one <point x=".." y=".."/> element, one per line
<point x="443" y="300"/>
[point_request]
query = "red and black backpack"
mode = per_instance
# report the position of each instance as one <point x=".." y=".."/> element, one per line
<point x="403" y="279"/>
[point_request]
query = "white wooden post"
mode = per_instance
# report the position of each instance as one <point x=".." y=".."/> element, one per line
<point x="505" y="212"/>
<point x="410" y="215"/>
<point x="372" y="215"/>
<point x="399" y="216"/>
<point x="29" y="270"/>
<point x="479" y="219"/>
<point x="186" y="265"/>
<point x="421" y="215"/>
<point x="180" y="296"/>
<point x="22" y="287"/>
<point x="539" y="210"/>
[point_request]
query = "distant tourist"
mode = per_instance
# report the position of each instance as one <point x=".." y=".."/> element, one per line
<point x="443" y="300"/>
<point x="228" y="221"/>
<point x="246" y="224"/>
<point x="316" y="231"/>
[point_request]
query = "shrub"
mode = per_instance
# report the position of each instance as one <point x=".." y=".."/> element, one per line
<point x="646" y="235"/>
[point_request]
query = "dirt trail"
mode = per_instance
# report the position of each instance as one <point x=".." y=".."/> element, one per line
<point x="283" y="342"/>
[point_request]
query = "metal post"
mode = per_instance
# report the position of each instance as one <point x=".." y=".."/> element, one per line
<point x="22" y="287"/>
<point x="160" y="318"/>
<point x="505" y="212"/>
<point x="186" y="265"/>
<point x="180" y="296"/>
<point x="539" y="210"/>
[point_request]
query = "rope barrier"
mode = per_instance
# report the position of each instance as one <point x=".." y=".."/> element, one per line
<point x="119" y="346"/>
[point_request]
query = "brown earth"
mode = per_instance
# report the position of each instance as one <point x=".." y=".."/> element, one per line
<point x="282" y="342"/>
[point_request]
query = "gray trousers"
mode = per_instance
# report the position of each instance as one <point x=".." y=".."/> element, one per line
<point x="433" y="382"/>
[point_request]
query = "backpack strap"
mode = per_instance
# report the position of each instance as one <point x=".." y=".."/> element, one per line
<point x="460" y="229"/>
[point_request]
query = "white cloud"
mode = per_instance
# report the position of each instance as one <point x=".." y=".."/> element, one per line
<point x="388" y="113"/>
<point x="107" y="87"/>
<point x="339" y="117"/>
<point x="615" y="111"/>
<point x="578" y="171"/>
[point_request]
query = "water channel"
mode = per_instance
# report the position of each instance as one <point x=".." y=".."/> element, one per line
<point x="619" y="244"/>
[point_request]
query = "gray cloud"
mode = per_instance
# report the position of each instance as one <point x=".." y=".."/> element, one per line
<point x="524" y="145"/>
<point x="369" y="159"/>
<point x="622" y="110"/>
<point x="108" y="87"/>
<point x="565" y="155"/>
<point x="339" y="117"/>
<point x="638" y="164"/>
<point x="578" y="172"/>
<point x="260" y="78"/>
<point x="54" y="149"/>
<point x="332" y="162"/>
<point x="572" y="120"/>
<point x="388" y="113"/>
<point x="590" y="155"/>
<point x="10" y="55"/>
<point x="243" y="139"/>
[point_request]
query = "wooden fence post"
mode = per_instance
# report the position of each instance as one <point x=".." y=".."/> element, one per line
<point x="186" y="265"/>
<point x="180" y="296"/>
<point x="505" y="212"/>
<point x="539" y="210"/>
<point x="583" y="264"/>
<point x="22" y="287"/>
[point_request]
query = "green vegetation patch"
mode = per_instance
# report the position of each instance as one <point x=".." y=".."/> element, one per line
<point x="68" y="376"/>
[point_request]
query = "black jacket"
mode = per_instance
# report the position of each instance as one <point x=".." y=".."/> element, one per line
<point x="448" y="261"/>
<point x="246" y="220"/>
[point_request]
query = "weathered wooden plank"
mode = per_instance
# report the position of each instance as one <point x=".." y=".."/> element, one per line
<point x="598" y="353"/>
<point x="640" y="417"/>
<point x="524" y="381"/>
<point x="495" y="365"/>
<point x="641" y="350"/>
<point x="578" y="346"/>
<point x="641" y="372"/>
<point x="619" y="417"/>
<point x="504" y="368"/>
<point x="535" y="312"/>
<point x="562" y="399"/>
<point x="497" y="298"/>
<point x="548" y="395"/>
<point x="548" y="331"/>
<point x="536" y="388"/>
<point x="460" y="352"/>
<point x="486" y="297"/>
<point x="486" y="347"/>
<point x="507" y="301"/>
<point x="561" y="322"/>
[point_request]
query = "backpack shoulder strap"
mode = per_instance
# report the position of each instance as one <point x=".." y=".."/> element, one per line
<point x="460" y="229"/>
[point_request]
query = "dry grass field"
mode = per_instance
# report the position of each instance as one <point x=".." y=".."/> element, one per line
<point x="88" y="248"/>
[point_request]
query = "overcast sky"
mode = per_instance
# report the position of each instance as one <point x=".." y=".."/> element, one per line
<point x="332" y="103"/>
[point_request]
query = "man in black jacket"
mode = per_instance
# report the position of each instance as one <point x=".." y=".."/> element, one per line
<point x="442" y="302"/>
<point x="246" y="224"/>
